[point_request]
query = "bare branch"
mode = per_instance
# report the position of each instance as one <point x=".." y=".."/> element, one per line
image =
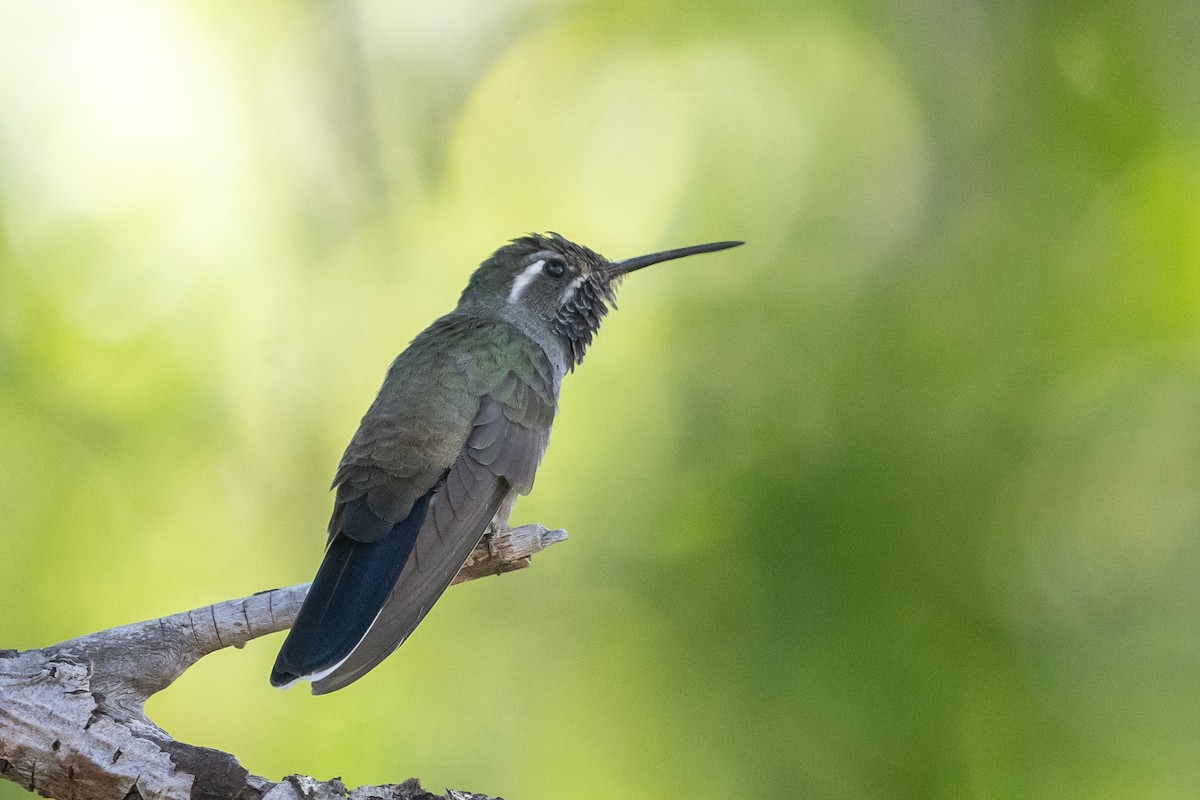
<point x="72" y="723"/>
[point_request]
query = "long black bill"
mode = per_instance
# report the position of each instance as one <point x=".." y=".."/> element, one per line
<point x="618" y="268"/>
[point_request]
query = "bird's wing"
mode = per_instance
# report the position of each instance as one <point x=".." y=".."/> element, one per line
<point x="451" y="433"/>
<point x="501" y="454"/>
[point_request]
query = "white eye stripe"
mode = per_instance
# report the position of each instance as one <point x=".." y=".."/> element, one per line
<point x="521" y="281"/>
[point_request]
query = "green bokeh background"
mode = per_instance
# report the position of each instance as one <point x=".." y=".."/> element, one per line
<point x="900" y="500"/>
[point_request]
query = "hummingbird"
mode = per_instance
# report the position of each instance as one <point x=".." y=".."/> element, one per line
<point x="455" y="434"/>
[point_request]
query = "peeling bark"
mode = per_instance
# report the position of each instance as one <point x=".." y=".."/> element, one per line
<point x="72" y="724"/>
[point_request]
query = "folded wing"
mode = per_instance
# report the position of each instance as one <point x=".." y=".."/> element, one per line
<point x="500" y="456"/>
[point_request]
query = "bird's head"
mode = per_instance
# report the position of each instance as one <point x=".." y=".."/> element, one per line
<point x="557" y="285"/>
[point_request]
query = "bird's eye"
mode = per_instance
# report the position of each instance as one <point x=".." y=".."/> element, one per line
<point x="554" y="268"/>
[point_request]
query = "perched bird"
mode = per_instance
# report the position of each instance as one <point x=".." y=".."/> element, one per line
<point x="455" y="434"/>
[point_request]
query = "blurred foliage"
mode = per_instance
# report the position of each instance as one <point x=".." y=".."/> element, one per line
<point x="899" y="500"/>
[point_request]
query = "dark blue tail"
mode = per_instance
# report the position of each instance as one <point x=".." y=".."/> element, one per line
<point x="353" y="583"/>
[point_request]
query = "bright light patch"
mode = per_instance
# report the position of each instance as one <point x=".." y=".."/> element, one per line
<point x="118" y="119"/>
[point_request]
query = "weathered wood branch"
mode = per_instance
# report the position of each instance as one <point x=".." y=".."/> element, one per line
<point x="72" y="724"/>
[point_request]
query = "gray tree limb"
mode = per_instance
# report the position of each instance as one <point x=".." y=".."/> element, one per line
<point x="72" y="724"/>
